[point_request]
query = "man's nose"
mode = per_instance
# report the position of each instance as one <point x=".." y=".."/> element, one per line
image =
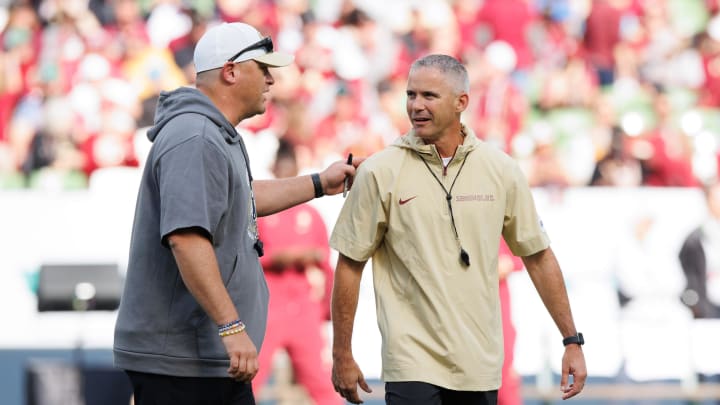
<point x="417" y="104"/>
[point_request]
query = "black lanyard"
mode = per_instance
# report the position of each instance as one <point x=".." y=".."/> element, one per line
<point x="258" y="244"/>
<point x="464" y="257"/>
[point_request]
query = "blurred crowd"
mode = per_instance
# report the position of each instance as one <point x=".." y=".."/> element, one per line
<point x="581" y="92"/>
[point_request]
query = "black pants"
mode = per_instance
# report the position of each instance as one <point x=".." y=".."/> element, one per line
<point x="154" y="389"/>
<point x="420" y="393"/>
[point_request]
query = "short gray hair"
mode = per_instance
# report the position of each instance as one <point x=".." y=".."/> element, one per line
<point x="447" y="65"/>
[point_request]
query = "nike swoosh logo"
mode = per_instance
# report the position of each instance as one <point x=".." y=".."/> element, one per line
<point x="405" y="201"/>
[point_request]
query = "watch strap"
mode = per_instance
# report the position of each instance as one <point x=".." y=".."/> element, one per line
<point x="317" y="185"/>
<point x="576" y="339"/>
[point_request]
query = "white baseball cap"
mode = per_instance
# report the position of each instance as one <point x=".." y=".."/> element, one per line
<point x="237" y="42"/>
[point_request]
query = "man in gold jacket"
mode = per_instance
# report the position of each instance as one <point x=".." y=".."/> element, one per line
<point x="430" y="211"/>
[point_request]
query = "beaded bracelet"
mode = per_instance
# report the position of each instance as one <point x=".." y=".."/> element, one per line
<point x="229" y="325"/>
<point x="233" y="331"/>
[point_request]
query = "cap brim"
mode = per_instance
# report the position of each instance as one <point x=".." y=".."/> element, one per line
<point x="275" y="59"/>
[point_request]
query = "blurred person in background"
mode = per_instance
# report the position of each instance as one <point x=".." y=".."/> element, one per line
<point x="113" y="145"/>
<point x="708" y="45"/>
<point x="700" y="260"/>
<point x="150" y="68"/>
<point x="648" y="282"/>
<point x="390" y="120"/>
<point x="602" y="34"/>
<point x="53" y="146"/>
<point x="194" y="309"/>
<point x="465" y="13"/>
<point x="128" y="29"/>
<point x="602" y="131"/>
<point x="649" y="285"/>
<point x="415" y="41"/>
<point x="545" y="167"/>
<point x="315" y="51"/>
<point x="511" y="21"/>
<point x="345" y="129"/>
<point x="570" y="86"/>
<point x="497" y="105"/>
<point x="555" y="38"/>
<point x="435" y="262"/>
<point x="20" y="42"/>
<point x="431" y="27"/>
<point x="369" y="52"/>
<point x="668" y="161"/>
<point x="257" y="13"/>
<point x="618" y="167"/>
<point x="509" y="392"/>
<point x="667" y="57"/>
<point x="182" y="47"/>
<point x="299" y="279"/>
<point x="290" y="117"/>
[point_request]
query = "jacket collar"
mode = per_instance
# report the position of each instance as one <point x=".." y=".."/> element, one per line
<point x="413" y="142"/>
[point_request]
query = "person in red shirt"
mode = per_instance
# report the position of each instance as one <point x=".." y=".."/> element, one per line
<point x="709" y="48"/>
<point x="500" y="106"/>
<point x="509" y="392"/>
<point x="511" y="21"/>
<point x="602" y="34"/>
<point x="299" y="278"/>
<point x="665" y="152"/>
<point x="345" y="129"/>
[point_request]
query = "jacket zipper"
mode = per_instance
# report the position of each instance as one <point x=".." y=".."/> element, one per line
<point x="445" y="167"/>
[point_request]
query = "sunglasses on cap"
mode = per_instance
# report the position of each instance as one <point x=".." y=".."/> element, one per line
<point x="265" y="43"/>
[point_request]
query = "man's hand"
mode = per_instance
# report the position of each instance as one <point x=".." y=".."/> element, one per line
<point x="346" y="376"/>
<point x="333" y="178"/>
<point x="243" y="357"/>
<point x="573" y="364"/>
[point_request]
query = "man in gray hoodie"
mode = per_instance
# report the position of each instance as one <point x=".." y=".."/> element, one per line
<point x="193" y="312"/>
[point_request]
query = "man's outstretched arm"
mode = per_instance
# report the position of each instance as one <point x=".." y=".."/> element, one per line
<point x="276" y="195"/>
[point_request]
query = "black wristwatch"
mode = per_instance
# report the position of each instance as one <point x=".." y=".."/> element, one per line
<point x="577" y="339"/>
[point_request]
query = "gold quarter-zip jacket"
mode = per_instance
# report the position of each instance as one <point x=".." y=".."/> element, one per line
<point x="439" y="319"/>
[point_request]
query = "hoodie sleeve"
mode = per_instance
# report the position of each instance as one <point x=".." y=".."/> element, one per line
<point x="193" y="179"/>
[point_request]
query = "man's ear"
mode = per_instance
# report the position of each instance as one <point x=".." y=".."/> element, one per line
<point x="228" y="73"/>
<point x="461" y="102"/>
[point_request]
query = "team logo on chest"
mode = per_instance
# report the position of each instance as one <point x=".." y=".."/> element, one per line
<point x="489" y="197"/>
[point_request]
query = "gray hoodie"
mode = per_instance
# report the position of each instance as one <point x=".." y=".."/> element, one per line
<point x="196" y="176"/>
